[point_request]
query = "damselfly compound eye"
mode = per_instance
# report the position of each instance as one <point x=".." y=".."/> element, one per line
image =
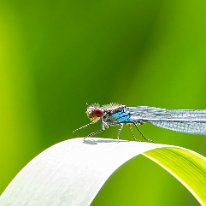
<point x="94" y="113"/>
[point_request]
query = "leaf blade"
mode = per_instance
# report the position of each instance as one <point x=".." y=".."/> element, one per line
<point x="72" y="172"/>
<point x="187" y="166"/>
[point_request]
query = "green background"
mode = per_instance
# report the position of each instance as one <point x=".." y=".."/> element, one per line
<point x="56" y="56"/>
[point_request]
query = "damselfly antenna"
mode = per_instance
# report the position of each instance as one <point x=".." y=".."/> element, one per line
<point x="84" y="126"/>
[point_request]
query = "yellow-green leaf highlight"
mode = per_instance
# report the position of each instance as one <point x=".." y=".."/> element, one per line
<point x="187" y="166"/>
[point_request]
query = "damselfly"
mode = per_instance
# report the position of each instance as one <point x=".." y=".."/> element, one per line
<point x="179" y="120"/>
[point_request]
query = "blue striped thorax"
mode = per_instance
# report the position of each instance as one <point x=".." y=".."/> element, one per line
<point x="121" y="117"/>
<point x="115" y="114"/>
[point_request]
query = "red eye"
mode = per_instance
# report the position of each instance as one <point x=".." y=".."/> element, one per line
<point x="97" y="113"/>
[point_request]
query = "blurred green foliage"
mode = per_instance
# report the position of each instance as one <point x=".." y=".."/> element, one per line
<point x="57" y="55"/>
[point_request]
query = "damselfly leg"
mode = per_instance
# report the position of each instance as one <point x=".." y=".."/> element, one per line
<point x="145" y="138"/>
<point x="119" y="131"/>
<point x="94" y="133"/>
<point x="132" y="132"/>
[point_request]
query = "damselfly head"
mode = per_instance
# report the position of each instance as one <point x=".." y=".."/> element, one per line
<point x="94" y="112"/>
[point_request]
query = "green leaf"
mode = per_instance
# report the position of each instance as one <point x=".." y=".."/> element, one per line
<point x="72" y="172"/>
<point x="186" y="166"/>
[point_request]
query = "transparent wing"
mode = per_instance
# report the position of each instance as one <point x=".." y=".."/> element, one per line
<point x="180" y="120"/>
